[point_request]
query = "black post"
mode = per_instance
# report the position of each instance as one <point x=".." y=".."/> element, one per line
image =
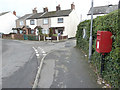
<point x="119" y="5"/>
<point x="102" y="64"/>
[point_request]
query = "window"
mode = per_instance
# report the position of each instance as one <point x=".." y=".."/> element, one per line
<point x="45" y="21"/>
<point x="21" y="23"/>
<point x="32" y="31"/>
<point x="60" y="31"/>
<point x="21" y="31"/>
<point x="32" y="22"/>
<point x="60" y="20"/>
<point x="45" y="31"/>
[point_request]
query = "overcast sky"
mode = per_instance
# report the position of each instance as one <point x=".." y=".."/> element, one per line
<point x="25" y="6"/>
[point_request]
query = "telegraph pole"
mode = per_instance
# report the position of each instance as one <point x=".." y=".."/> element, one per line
<point x="90" y="39"/>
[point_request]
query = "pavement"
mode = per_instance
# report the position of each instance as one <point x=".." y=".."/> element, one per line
<point x="66" y="67"/>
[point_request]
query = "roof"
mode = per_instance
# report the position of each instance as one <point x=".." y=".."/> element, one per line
<point x="25" y="17"/>
<point x="3" y="13"/>
<point x="103" y="9"/>
<point x="35" y="16"/>
<point x="56" y="13"/>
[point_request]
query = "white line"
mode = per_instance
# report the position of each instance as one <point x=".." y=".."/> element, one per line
<point x="37" y="55"/>
<point x="38" y="72"/>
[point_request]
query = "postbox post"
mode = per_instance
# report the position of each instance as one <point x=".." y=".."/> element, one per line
<point x="102" y="64"/>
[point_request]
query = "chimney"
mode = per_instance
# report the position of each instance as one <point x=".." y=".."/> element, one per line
<point x="72" y="6"/>
<point x="58" y="8"/>
<point x="34" y="11"/>
<point x="14" y="12"/>
<point x="119" y="5"/>
<point x="45" y="9"/>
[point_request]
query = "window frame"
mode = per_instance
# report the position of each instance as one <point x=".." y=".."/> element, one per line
<point x="44" y="22"/>
<point x="21" y="23"/>
<point x="32" y="21"/>
<point x="60" y="21"/>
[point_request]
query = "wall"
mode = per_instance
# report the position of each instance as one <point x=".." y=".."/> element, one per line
<point x="40" y="23"/>
<point x="7" y="22"/>
<point x="54" y="23"/>
<point x="31" y="26"/>
<point x="18" y="23"/>
<point x="72" y="24"/>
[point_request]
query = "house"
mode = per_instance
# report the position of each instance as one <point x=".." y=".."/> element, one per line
<point x="7" y="22"/>
<point x="102" y="10"/>
<point x="62" y="22"/>
<point x="21" y="27"/>
<point x="32" y="21"/>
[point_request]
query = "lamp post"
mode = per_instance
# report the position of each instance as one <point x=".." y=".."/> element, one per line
<point x="119" y="5"/>
<point x="90" y="39"/>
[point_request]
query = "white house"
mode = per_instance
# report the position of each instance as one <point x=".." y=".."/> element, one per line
<point x="63" y="22"/>
<point x="32" y="21"/>
<point x="7" y="22"/>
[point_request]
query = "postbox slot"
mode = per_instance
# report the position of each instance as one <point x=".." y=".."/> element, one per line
<point x="98" y="34"/>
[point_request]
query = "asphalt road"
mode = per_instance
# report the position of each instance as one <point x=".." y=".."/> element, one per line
<point x="63" y="67"/>
<point x="66" y="67"/>
<point x="19" y="64"/>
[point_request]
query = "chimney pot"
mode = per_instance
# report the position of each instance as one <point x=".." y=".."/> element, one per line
<point x="58" y="8"/>
<point x="72" y="6"/>
<point x="34" y="10"/>
<point x="14" y="12"/>
<point x="45" y="9"/>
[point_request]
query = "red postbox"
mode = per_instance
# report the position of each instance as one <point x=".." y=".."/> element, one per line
<point x="104" y="42"/>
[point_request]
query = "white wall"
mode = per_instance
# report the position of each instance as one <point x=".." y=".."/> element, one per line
<point x="69" y="22"/>
<point x="7" y="22"/>
<point x="31" y="26"/>
<point x="72" y="24"/>
<point x="94" y="16"/>
<point x="54" y="23"/>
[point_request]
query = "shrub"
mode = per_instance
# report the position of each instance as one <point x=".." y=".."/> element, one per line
<point x="110" y="22"/>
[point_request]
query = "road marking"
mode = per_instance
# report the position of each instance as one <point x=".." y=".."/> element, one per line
<point x="36" y="51"/>
<point x="37" y="55"/>
<point x="35" y="84"/>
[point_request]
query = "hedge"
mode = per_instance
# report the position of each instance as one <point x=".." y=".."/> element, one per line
<point x="109" y="22"/>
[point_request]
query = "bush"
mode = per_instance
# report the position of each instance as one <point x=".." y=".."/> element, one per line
<point x="110" y="22"/>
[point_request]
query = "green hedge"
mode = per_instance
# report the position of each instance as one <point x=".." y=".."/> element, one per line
<point x="110" y="22"/>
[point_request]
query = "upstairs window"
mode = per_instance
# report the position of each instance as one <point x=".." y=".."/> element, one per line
<point x="45" y="21"/>
<point x="21" y="23"/>
<point x="32" y="22"/>
<point x="60" y="20"/>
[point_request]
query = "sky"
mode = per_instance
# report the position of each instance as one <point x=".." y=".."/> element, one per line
<point x="23" y="7"/>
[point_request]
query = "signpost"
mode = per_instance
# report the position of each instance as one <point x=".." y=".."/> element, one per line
<point x="90" y="39"/>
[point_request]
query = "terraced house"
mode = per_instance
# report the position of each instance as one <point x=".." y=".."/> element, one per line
<point x="61" y="22"/>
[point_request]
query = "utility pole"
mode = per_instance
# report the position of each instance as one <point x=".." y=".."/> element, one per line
<point x="90" y="39"/>
<point x="119" y="5"/>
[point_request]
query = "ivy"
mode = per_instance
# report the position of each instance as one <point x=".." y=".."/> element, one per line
<point x="110" y="22"/>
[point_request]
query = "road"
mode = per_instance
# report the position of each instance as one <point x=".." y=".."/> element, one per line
<point x="64" y="66"/>
<point x="19" y="64"/>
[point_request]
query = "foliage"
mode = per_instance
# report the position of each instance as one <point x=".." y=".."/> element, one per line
<point x="110" y="22"/>
<point x="40" y="31"/>
<point x="51" y="32"/>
